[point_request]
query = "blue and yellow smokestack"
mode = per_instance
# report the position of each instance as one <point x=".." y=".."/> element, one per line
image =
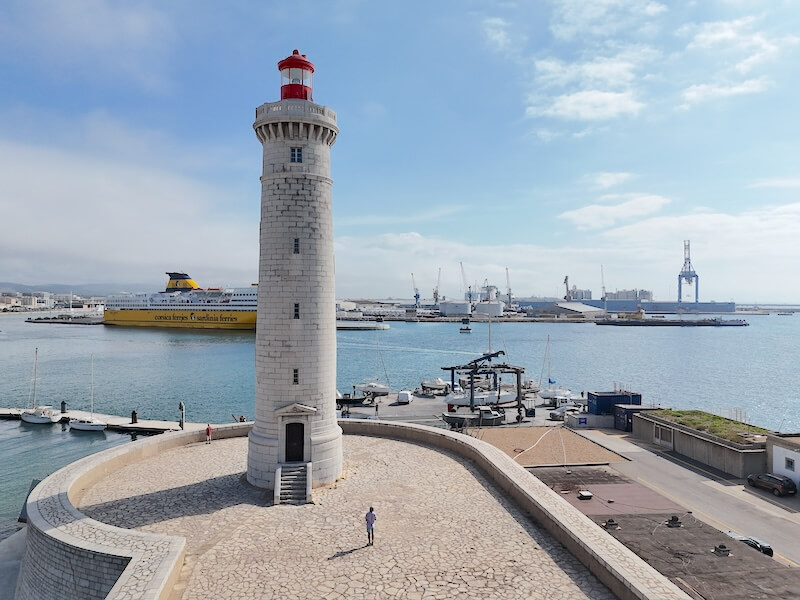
<point x="179" y="282"/>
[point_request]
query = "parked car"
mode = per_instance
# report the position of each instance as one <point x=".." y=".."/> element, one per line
<point x="561" y="412"/>
<point x="777" y="484"/>
<point x="759" y="545"/>
<point x="404" y="397"/>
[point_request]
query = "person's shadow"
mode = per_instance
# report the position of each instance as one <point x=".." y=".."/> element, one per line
<point x="342" y="553"/>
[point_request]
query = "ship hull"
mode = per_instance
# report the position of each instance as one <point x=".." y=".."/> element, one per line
<point x="183" y="318"/>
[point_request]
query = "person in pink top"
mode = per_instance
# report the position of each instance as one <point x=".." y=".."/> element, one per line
<point x="370" y="519"/>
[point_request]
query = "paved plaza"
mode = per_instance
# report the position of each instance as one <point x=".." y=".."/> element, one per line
<point x="443" y="530"/>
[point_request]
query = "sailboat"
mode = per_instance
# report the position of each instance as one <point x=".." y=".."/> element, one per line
<point x="90" y="424"/>
<point x="38" y="415"/>
<point x="373" y="387"/>
<point x="551" y="393"/>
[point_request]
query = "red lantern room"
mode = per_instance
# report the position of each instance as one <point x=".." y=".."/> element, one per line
<point x="296" y="73"/>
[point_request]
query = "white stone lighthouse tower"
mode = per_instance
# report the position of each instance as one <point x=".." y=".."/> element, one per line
<point x="295" y="421"/>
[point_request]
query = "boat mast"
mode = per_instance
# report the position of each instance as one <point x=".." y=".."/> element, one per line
<point x="91" y="389"/>
<point x="35" y="360"/>
<point x="547" y="361"/>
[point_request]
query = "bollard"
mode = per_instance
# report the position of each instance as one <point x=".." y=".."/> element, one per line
<point x="134" y="417"/>
<point x="63" y="407"/>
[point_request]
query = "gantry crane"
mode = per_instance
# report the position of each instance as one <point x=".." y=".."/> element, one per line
<point x="436" y="289"/>
<point x="688" y="274"/>
<point x="508" y="287"/>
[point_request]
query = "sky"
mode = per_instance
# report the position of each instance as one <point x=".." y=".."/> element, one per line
<point x="510" y="142"/>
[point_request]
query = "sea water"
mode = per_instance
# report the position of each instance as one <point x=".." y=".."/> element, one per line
<point x="747" y="373"/>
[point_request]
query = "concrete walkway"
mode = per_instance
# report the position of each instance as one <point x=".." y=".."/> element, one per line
<point x="443" y="530"/>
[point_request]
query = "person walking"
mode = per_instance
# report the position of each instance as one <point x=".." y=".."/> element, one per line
<point x="208" y="433"/>
<point x="370" y="519"/>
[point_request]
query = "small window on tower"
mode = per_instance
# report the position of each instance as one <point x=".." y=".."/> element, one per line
<point x="297" y="155"/>
<point x="789" y="463"/>
<point x="296" y="311"/>
<point x="297" y="245"/>
<point x="296" y="376"/>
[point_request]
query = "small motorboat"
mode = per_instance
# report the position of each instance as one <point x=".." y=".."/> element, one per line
<point x="373" y="388"/>
<point x="483" y="416"/>
<point x="435" y="386"/>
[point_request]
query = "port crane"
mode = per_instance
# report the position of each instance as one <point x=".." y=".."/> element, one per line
<point x="567" y="296"/>
<point x="603" y="285"/>
<point x="467" y="287"/>
<point x="508" y="287"/>
<point x="688" y="274"/>
<point x="436" y="289"/>
<point x="416" y="292"/>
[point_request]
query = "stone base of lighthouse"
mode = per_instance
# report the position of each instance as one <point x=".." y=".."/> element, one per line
<point x="297" y="438"/>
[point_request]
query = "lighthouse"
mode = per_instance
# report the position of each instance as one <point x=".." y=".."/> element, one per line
<point x="295" y="428"/>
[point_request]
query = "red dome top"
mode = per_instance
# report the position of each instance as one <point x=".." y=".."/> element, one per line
<point x="296" y="61"/>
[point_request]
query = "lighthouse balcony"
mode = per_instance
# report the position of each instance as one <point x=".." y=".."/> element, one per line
<point x="294" y="109"/>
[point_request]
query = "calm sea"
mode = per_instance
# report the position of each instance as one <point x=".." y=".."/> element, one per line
<point x="747" y="373"/>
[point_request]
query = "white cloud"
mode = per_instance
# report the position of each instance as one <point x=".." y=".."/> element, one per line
<point x="548" y="135"/>
<point x="596" y="216"/>
<point x="613" y="72"/>
<point x="784" y="182"/>
<point x="695" y="94"/>
<point x="89" y="39"/>
<point x="736" y="40"/>
<point x="731" y="252"/>
<point x="80" y="217"/>
<point x="589" y="105"/>
<point x="603" y="18"/>
<point x="496" y="31"/>
<point x="605" y="180"/>
<point x="433" y="215"/>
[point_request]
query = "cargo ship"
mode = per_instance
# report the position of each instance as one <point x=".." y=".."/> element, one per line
<point x="185" y="304"/>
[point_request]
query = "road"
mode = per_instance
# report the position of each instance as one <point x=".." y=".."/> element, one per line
<point x="713" y="497"/>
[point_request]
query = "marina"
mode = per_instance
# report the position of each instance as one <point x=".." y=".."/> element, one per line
<point x="112" y="423"/>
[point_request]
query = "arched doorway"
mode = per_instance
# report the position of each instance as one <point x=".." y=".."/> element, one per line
<point x="294" y="442"/>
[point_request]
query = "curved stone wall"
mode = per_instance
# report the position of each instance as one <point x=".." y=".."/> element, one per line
<point x="70" y="556"/>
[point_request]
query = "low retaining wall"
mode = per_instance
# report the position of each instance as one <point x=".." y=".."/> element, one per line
<point x="70" y="556"/>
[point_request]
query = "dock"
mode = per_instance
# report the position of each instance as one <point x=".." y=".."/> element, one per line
<point x="69" y="320"/>
<point x="115" y="423"/>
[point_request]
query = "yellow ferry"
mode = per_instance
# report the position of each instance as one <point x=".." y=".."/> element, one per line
<point x="185" y="304"/>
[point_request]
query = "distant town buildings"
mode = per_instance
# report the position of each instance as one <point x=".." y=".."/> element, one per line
<point x="576" y="294"/>
<point x="30" y="301"/>
<point x="638" y="295"/>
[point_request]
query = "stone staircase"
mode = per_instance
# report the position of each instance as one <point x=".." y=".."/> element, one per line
<point x="292" y="484"/>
